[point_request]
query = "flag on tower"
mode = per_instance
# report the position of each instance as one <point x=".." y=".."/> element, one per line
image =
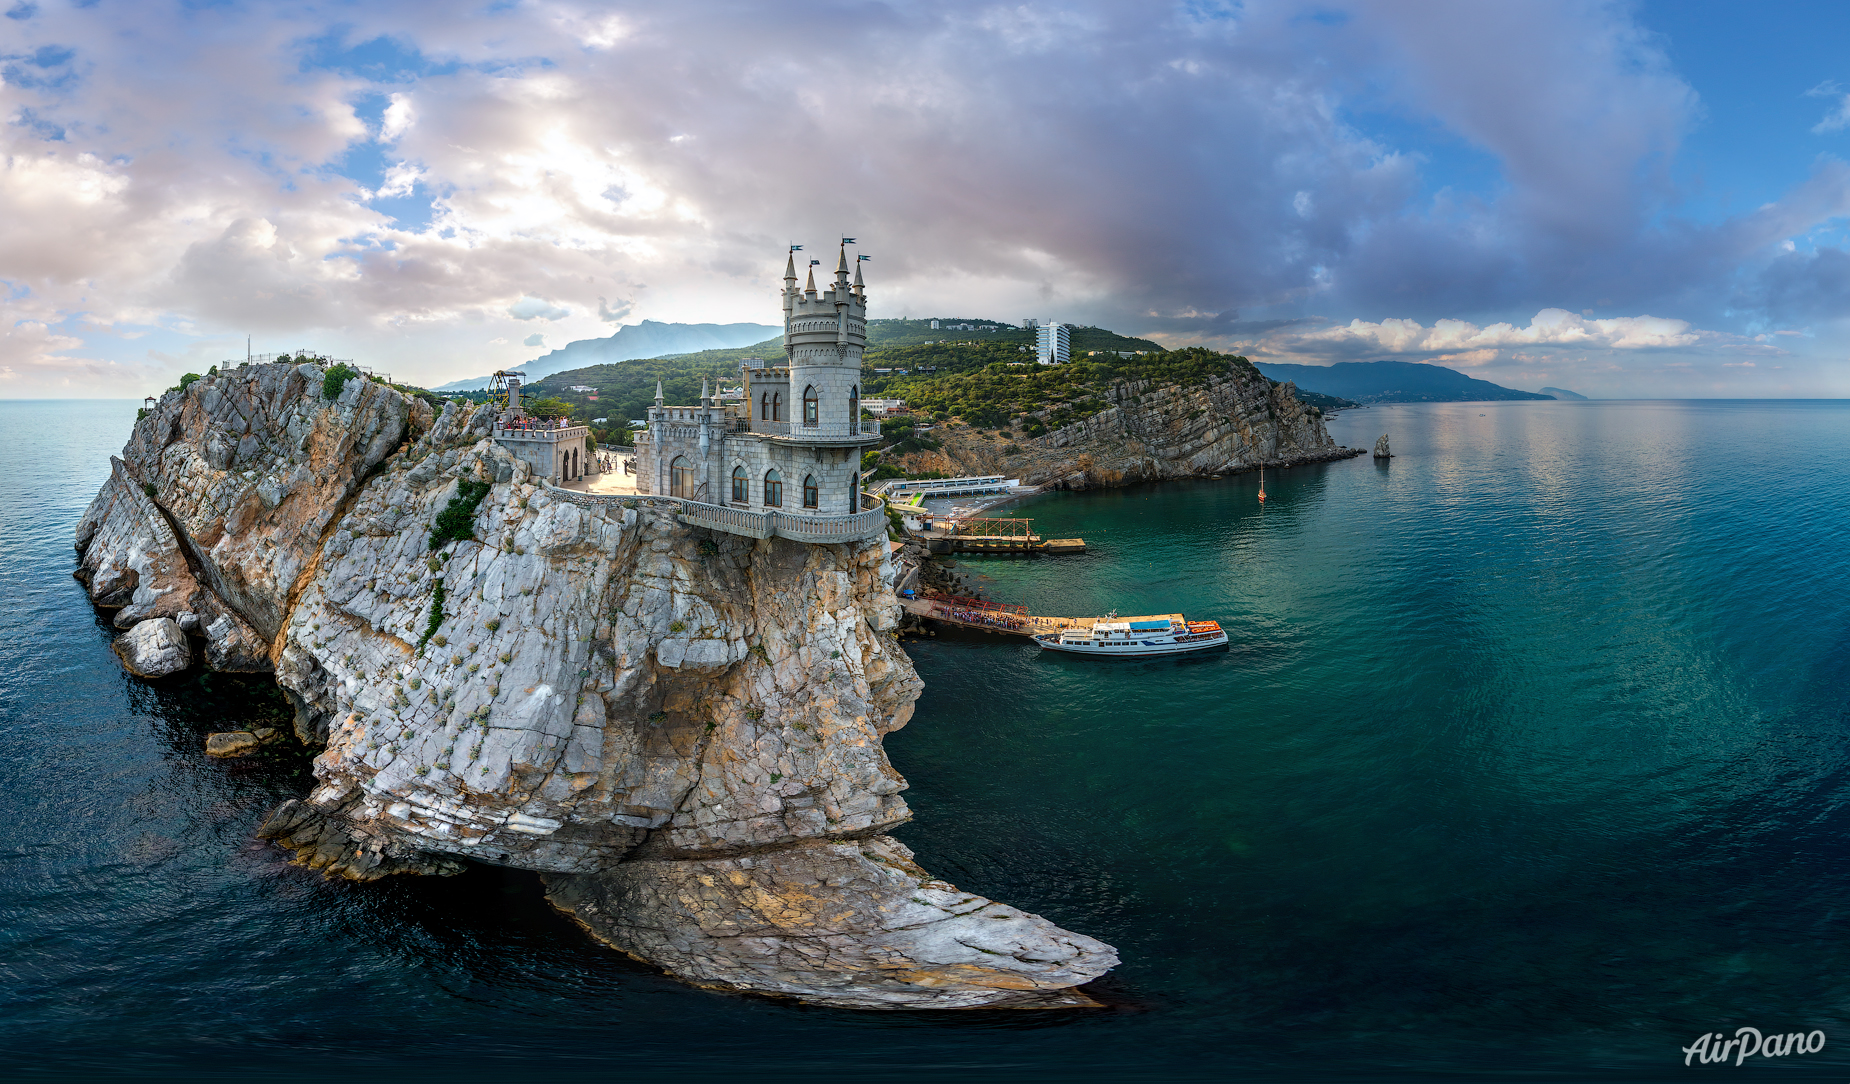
<point x="815" y="263"/>
<point x="847" y="240"/>
<point x="863" y="257"/>
<point x="796" y="248"/>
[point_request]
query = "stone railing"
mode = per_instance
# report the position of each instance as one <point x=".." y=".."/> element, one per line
<point x="867" y="524"/>
<point x="567" y="433"/>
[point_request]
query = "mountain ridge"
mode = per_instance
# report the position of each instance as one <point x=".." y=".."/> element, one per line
<point x="649" y="339"/>
<point x="1393" y="382"/>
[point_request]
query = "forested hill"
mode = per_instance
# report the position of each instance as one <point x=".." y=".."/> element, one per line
<point x="1393" y="382"/>
<point x="625" y="389"/>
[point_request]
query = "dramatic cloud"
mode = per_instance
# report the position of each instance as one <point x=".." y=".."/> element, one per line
<point x="413" y="184"/>
<point x="1459" y="340"/>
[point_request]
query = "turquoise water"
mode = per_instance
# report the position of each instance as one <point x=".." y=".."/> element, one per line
<point x="1527" y="760"/>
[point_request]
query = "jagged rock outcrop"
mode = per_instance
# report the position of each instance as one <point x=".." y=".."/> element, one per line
<point x="154" y="648"/>
<point x="1227" y="424"/>
<point x="858" y="919"/>
<point x="589" y="689"/>
<point x="1381" y="448"/>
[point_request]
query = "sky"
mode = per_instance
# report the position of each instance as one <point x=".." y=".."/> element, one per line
<point x="1626" y="199"/>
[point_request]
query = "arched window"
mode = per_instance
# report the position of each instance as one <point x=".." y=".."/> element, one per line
<point x="681" y="477"/>
<point x="854" y="409"/>
<point x="811" y="498"/>
<point x="777" y="406"/>
<point x="811" y="415"/>
<point x="773" y="489"/>
<point x="764" y="408"/>
<point x="741" y="487"/>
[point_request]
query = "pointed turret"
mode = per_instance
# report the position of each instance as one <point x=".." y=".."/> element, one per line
<point x="811" y="288"/>
<point x="790" y="269"/>
<point x="859" y="290"/>
<point x="841" y="270"/>
<point x="658" y="393"/>
<point x="706" y="397"/>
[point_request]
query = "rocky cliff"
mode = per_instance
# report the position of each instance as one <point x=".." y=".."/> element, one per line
<point x="1148" y="432"/>
<point x="680" y="729"/>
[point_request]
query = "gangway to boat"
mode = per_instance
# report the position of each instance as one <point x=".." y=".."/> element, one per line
<point x="986" y="616"/>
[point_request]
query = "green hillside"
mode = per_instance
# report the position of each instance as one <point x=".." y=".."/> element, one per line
<point x="990" y="373"/>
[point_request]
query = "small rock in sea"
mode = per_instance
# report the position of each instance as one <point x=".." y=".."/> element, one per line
<point x="1381" y="448"/>
<point x="154" y="648"/>
<point x="232" y="743"/>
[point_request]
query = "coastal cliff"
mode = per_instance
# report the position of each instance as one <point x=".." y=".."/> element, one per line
<point x="680" y="729"/>
<point x="1148" y="431"/>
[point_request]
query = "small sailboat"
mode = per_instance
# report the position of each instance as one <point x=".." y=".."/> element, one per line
<point x="1262" y="483"/>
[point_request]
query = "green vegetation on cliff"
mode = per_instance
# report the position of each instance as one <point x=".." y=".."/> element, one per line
<point x="986" y="386"/>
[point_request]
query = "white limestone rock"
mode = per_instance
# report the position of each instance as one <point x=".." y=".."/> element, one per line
<point x="854" y="924"/>
<point x="154" y="648"/>
<point x="601" y="691"/>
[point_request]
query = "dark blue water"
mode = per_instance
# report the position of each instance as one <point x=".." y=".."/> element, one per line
<point x="1528" y="760"/>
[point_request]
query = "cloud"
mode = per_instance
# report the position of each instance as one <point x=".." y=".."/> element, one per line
<point x="535" y="339"/>
<point x="1837" y="119"/>
<point x="1464" y="343"/>
<point x="533" y="308"/>
<point x="1196" y="170"/>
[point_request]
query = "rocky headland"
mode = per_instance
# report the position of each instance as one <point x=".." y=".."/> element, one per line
<point x="679" y="729"/>
<point x="1148" y="432"/>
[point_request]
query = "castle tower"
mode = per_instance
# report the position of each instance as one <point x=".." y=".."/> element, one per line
<point x="825" y="334"/>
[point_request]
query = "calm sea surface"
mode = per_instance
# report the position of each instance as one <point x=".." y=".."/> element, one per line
<point x="1528" y="761"/>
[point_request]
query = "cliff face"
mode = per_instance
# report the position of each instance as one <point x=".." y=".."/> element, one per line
<point x="1232" y="423"/>
<point x="681" y="729"/>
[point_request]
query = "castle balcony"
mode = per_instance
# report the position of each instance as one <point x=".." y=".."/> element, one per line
<point x="838" y="433"/>
<point x="865" y="525"/>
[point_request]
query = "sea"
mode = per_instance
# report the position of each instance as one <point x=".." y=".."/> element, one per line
<point x="1527" y="761"/>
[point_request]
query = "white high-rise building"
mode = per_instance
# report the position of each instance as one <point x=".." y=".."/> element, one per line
<point x="1052" y="343"/>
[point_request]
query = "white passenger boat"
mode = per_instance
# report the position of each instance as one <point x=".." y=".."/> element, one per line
<point x="1136" y="637"/>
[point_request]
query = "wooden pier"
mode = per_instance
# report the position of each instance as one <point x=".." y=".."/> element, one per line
<point x="978" y="534"/>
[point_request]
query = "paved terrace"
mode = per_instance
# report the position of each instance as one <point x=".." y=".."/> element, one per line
<point x="867" y="524"/>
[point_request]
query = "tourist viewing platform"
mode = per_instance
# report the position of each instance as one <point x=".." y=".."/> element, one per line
<point x="931" y="488"/>
<point x="869" y="523"/>
<point x="540" y="429"/>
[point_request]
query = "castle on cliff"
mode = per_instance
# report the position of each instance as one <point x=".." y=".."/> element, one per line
<point x="792" y="445"/>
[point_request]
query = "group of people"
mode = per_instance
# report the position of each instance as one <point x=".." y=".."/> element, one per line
<point x="998" y="619"/>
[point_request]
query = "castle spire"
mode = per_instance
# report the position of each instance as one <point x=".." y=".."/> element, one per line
<point x="811" y="288"/>
<point x="658" y="393"/>
<point x="858" y="288"/>
<point x="841" y="268"/>
<point x="790" y="268"/>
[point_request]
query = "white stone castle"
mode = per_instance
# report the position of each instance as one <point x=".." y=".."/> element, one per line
<point x="790" y="450"/>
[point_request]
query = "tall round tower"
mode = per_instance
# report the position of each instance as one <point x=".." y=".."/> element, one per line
<point x="824" y="337"/>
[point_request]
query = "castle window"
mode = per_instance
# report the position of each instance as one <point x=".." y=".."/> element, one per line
<point x="777" y="406"/>
<point x="741" y="487"/>
<point x="764" y="408"/>
<point x="773" y="489"/>
<point x="854" y="409"/>
<point x="810" y="413"/>
<point x="811" y="498"/>
<point x="681" y="478"/>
